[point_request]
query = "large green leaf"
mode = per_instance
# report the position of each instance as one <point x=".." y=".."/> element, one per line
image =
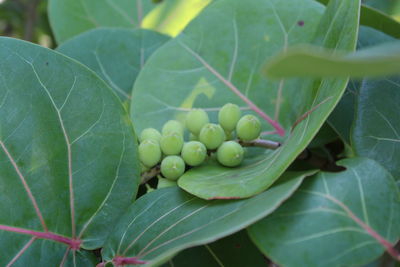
<point x="218" y="59"/>
<point x="334" y="219"/>
<point x="68" y="156"/>
<point x="309" y="61"/>
<point x="234" y="250"/>
<point x="166" y="221"/>
<point x="376" y="132"/>
<point x="116" y="55"/>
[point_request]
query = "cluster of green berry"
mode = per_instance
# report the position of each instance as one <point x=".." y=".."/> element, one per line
<point x="204" y="137"/>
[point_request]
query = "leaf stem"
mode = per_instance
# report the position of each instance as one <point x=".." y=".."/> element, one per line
<point x="121" y="261"/>
<point x="72" y="243"/>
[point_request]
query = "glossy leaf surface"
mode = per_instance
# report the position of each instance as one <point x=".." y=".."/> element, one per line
<point x="116" y="55"/>
<point x="166" y="221"/>
<point x="67" y="154"/>
<point x="347" y="218"/>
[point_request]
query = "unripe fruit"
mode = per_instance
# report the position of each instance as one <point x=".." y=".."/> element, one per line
<point x="248" y="128"/>
<point x="150" y="134"/>
<point x="195" y="120"/>
<point x="212" y="135"/>
<point x="194" y="153"/>
<point x="172" y="167"/>
<point x="229" y="116"/>
<point x="172" y="126"/>
<point x="149" y="153"/>
<point x="171" y="144"/>
<point x="230" y="154"/>
<point x="163" y="183"/>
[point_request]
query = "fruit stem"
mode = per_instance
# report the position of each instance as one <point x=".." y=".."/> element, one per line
<point x="260" y="143"/>
<point x="147" y="176"/>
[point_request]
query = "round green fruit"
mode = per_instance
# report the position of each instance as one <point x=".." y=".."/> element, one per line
<point x="172" y="126"/>
<point x="212" y="135"/>
<point x="150" y="134"/>
<point x="248" y="128"/>
<point x="171" y="144"/>
<point x="229" y="116"/>
<point x="172" y="167"/>
<point x="194" y="153"/>
<point x="195" y="120"/>
<point x="230" y="154"/>
<point x="149" y="153"/>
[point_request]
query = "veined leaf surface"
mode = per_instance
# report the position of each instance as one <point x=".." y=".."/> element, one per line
<point x="347" y="218"/>
<point x="67" y="153"/>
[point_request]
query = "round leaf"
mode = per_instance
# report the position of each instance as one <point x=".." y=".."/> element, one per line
<point x="68" y="157"/>
<point x="334" y="219"/>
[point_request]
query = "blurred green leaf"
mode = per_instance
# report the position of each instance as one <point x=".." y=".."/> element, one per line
<point x="116" y="55"/>
<point x="308" y="61"/>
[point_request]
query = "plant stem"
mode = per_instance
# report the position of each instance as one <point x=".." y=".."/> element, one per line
<point x="147" y="176"/>
<point x="260" y="143"/>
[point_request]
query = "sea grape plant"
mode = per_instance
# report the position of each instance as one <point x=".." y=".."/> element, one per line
<point x="208" y="132"/>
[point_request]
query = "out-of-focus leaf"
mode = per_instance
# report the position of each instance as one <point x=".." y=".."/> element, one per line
<point x="116" y="55"/>
<point x="308" y="61"/>
<point x="67" y="154"/>
<point x="172" y="16"/>
<point x="334" y="219"/>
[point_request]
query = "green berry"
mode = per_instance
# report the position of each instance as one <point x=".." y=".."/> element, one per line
<point x="248" y="128"/>
<point x="229" y="116"/>
<point x="212" y="135"/>
<point x="195" y="120"/>
<point x="230" y="154"/>
<point x="172" y="126"/>
<point x="171" y="144"/>
<point x="172" y="167"/>
<point x="163" y="183"/>
<point x="149" y="153"/>
<point x="150" y="134"/>
<point x="194" y="153"/>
